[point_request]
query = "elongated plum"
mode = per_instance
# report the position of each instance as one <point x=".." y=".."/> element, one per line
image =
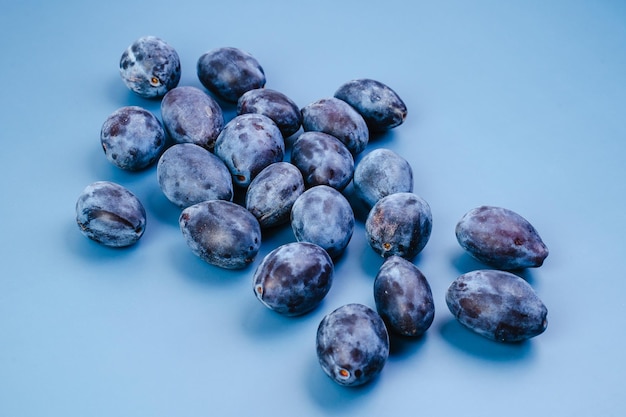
<point x="247" y="144"/>
<point x="403" y="297"/>
<point x="381" y="107"/>
<point x="189" y="174"/>
<point x="294" y="278"/>
<point x="221" y="233"/>
<point x="323" y="160"/>
<point x="352" y="344"/>
<point x="229" y="72"/>
<point x="272" y="193"/>
<point x="339" y="119"/>
<point x="500" y="238"/>
<point x="275" y="105"/>
<point x="192" y="116"/>
<point x="497" y="305"/>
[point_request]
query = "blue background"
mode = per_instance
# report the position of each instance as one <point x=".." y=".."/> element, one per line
<point x="520" y="104"/>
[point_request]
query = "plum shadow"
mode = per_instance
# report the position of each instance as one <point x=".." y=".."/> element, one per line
<point x="480" y="347"/>
<point x="464" y="262"/>
<point x="197" y="270"/>
<point x="333" y="398"/>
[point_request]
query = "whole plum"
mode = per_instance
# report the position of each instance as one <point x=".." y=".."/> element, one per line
<point x="339" y="119"/>
<point x="379" y="173"/>
<point x="399" y="224"/>
<point x="352" y="344"/>
<point x="132" y="138"/>
<point x="271" y="194"/>
<point x="247" y="144"/>
<point x="294" y="278"/>
<point x="189" y="174"/>
<point x="110" y="214"/>
<point x="497" y="305"/>
<point x="323" y="160"/>
<point x="403" y="297"/>
<point x="150" y="67"/>
<point x="381" y="107"/>
<point x="229" y="72"/>
<point x="500" y="238"/>
<point x="275" y="105"/>
<point x="221" y="233"/>
<point x="192" y="116"/>
<point x="322" y="215"/>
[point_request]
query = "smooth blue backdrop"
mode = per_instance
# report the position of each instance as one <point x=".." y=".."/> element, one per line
<point x="520" y="104"/>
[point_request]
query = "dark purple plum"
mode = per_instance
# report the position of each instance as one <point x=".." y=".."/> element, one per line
<point x="500" y="238"/>
<point x="352" y="344"/>
<point x="110" y="214"/>
<point x="294" y="278"/>
<point x="247" y="144"/>
<point x="229" y="72"/>
<point x="221" y="233"/>
<point x="275" y="105"/>
<point x="403" y="297"/>
<point x="380" y="106"/>
<point x="339" y="119"/>
<point x="189" y="174"/>
<point x="379" y="173"/>
<point x="272" y="192"/>
<point x="132" y="138"/>
<point x="323" y="160"/>
<point x="399" y="224"/>
<point x="323" y="216"/>
<point x="150" y="67"/>
<point x="497" y="305"/>
<point x="192" y="116"/>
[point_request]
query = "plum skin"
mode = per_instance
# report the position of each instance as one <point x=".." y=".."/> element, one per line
<point x="403" y="297"/>
<point x="110" y="214"/>
<point x="498" y="305"/>
<point x="222" y="233"/>
<point x="352" y="344"/>
<point x="150" y="67"/>
<point x="294" y="278"/>
<point x="399" y="224"/>
<point x="501" y="238"/>
<point x="322" y="215"/>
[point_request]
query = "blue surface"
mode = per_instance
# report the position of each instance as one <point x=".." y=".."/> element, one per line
<point x="516" y="104"/>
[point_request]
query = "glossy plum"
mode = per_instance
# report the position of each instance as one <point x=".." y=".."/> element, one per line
<point x="339" y="119"/>
<point x="294" y="278"/>
<point x="403" y="297"/>
<point x="247" y="144"/>
<point x="229" y="72"/>
<point x="192" y="116"/>
<point x="221" y="233"/>
<point x="110" y="214"/>
<point x="323" y="216"/>
<point x="132" y="138"/>
<point x="272" y="193"/>
<point x="381" y="107"/>
<point x="352" y="344"/>
<point x="399" y="224"/>
<point x="323" y="160"/>
<point x="150" y="67"/>
<point x="189" y="174"/>
<point x="497" y="305"/>
<point x="379" y="173"/>
<point x="275" y="105"/>
<point x="501" y="238"/>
